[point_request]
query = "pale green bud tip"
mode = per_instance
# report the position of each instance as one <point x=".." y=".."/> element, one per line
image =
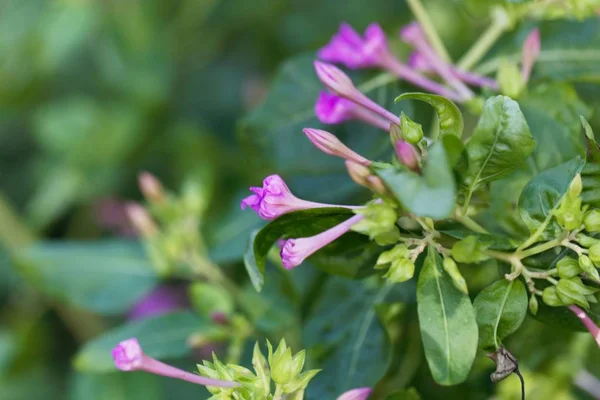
<point x="411" y="131"/>
<point x="533" y="305"/>
<point x="550" y="297"/>
<point x="591" y="221"/>
<point x="576" y="187"/>
<point x="509" y="79"/>
<point x="571" y="292"/>
<point x="594" y="253"/>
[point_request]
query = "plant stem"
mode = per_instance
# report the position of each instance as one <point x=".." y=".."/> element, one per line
<point x="539" y="249"/>
<point x="484" y="43"/>
<point x="429" y="29"/>
<point x="471" y="224"/>
<point x="278" y="392"/>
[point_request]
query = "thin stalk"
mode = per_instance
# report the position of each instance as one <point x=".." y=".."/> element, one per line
<point x="471" y="224"/>
<point x="483" y="44"/>
<point x="539" y="249"/>
<point x="429" y="29"/>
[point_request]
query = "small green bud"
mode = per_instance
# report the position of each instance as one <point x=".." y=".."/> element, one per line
<point x="581" y="287"/>
<point x="585" y="240"/>
<point x="591" y="298"/>
<point x="457" y="279"/>
<point x="379" y="223"/>
<point x="568" y="267"/>
<point x="594" y="253"/>
<point x="261" y="366"/>
<point x="281" y="363"/>
<point x="387" y="257"/>
<point x="401" y="270"/>
<point x="301" y="382"/>
<point x="533" y="305"/>
<point x="569" y="215"/>
<point x="469" y="250"/>
<point x="591" y="221"/>
<point x="510" y="79"/>
<point x="412" y="131"/>
<point x="550" y="297"/>
<point x="569" y="293"/>
<point x="575" y="187"/>
<point x="588" y="267"/>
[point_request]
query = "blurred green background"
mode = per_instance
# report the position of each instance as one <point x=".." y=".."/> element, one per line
<point x="94" y="91"/>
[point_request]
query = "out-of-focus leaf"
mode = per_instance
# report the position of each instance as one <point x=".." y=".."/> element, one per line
<point x="115" y="386"/>
<point x="162" y="337"/>
<point x="344" y="333"/>
<point x="543" y="194"/>
<point x="500" y="309"/>
<point x="447" y="321"/>
<point x="431" y="194"/>
<point x="107" y="277"/>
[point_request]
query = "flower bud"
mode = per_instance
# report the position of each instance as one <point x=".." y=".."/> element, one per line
<point x="407" y="155"/>
<point x="531" y="52"/>
<point x="376" y="184"/>
<point x="335" y="79"/>
<point x="141" y="220"/>
<point x="550" y="297"/>
<point x="591" y="221"/>
<point x="395" y="133"/>
<point x="401" y="270"/>
<point x="301" y="382"/>
<point x="387" y="257"/>
<point x="585" y="240"/>
<point x="588" y="267"/>
<point x="594" y="253"/>
<point x="282" y="366"/>
<point x="457" y="279"/>
<point x="380" y="220"/>
<point x="569" y="215"/>
<point x="151" y="187"/>
<point x="412" y="131"/>
<point x="569" y="293"/>
<point x="469" y="250"/>
<point x="575" y="187"/>
<point x="330" y="144"/>
<point x="359" y="173"/>
<point x="261" y="366"/>
<point x="509" y="79"/>
<point x="533" y="305"/>
<point x="568" y="267"/>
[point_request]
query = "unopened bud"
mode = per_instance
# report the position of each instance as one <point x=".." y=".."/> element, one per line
<point x="569" y="215"/>
<point x="412" y="131"/>
<point x="568" y="267"/>
<point x="401" y="270"/>
<point x="594" y="253"/>
<point x="533" y="305"/>
<point x="592" y="221"/>
<point x="509" y="79"/>
<point x="569" y="293"/>
<point x="576" y="187"/>
<point x="550" y="297"/>
<point x="395" y="133"/>
<point x="457" y="279"/>
<point x="359" y="173"/>
<point x="588" y="267"/>
<point x="335" y="79"/>
<point x="151" y="187"/>
<point x="330" y="144"/>
<point x="585" y="240"/>
<point x="407" y="155"/>
<point x="376" y="184"/>
<point x="387" y="257"/>
<point x="531" y="52"/>
<point x="141" y="219"/>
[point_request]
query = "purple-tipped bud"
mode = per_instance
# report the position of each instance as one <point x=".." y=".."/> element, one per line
<point x="332" y="109"/>
<point x="531" y="52"/>
<point x="295" y="251"/>
<point x="129" y="356"/>
<point x="407" y="155"/>
<point x="141" y="219"/>
<point x="329" y="144"/>
<point x="376" y="184"/>
<point x="358" y="172"/>
<point x="347" y="47"/>
<point x="356" y="394"/>
<point x="413" y="34"/>
<point x="335" y="79"/>
<point x="419" y="62"/>
<point x="275" y="199"/>
<point x="151" y="187"/>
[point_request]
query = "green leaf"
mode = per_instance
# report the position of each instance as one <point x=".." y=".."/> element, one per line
<point x="552" y="112"/>
<point x="563" y="318"/>
<point x="353" y="255"/>
<point x="500" y="309"/>
<point x="447" y="321"/>
<point x="161" y="337"/>
<point x="344" y="335"/>
<point x="489" y="241"/>
<point x="275" y="128"/>
<point x="543" y="195"/>
<point x="106" y="277"/>
<point x="500" y="143"/>
<point x="115" y="386"/>
<point x="449" y="115"/>
<point x="429" y="195"/>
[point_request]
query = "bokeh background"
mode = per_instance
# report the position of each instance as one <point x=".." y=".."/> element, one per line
<point x="94" y="91"/>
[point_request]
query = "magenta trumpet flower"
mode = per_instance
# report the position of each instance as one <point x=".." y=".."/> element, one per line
<point x="332" y="109"/>
<point x="356" y="394"/>
<point x="295" y="251"/>
<point x="129" y="356"/>
<point x="349" y="48"/>
<point x="275" y="199"/>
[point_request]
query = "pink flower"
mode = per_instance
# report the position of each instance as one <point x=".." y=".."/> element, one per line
<point x="407" y="155"/>
<point x="332" y="109"/>
<point x="347" y="47"/>
<point x="129" y="356"/>
<point x="335" y="80"/>
<point x="275" y="199"/>
<point x="329" y="144"/>
<point x="161" y="300"/>
<point x="419" y="62"/>
<point x="356" y="394"/>
<point x="531" y="52"/>
<point x="295" y="251"/>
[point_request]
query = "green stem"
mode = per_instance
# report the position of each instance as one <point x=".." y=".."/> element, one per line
<point x="278" y="392"/>
<point x="539" y="249"/>
<point x="429" y="29"/>
<point x="484" y="43"/>
<point x="471" y="224"/>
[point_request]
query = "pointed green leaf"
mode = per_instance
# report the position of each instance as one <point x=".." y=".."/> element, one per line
<point x="449" y="115"/>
